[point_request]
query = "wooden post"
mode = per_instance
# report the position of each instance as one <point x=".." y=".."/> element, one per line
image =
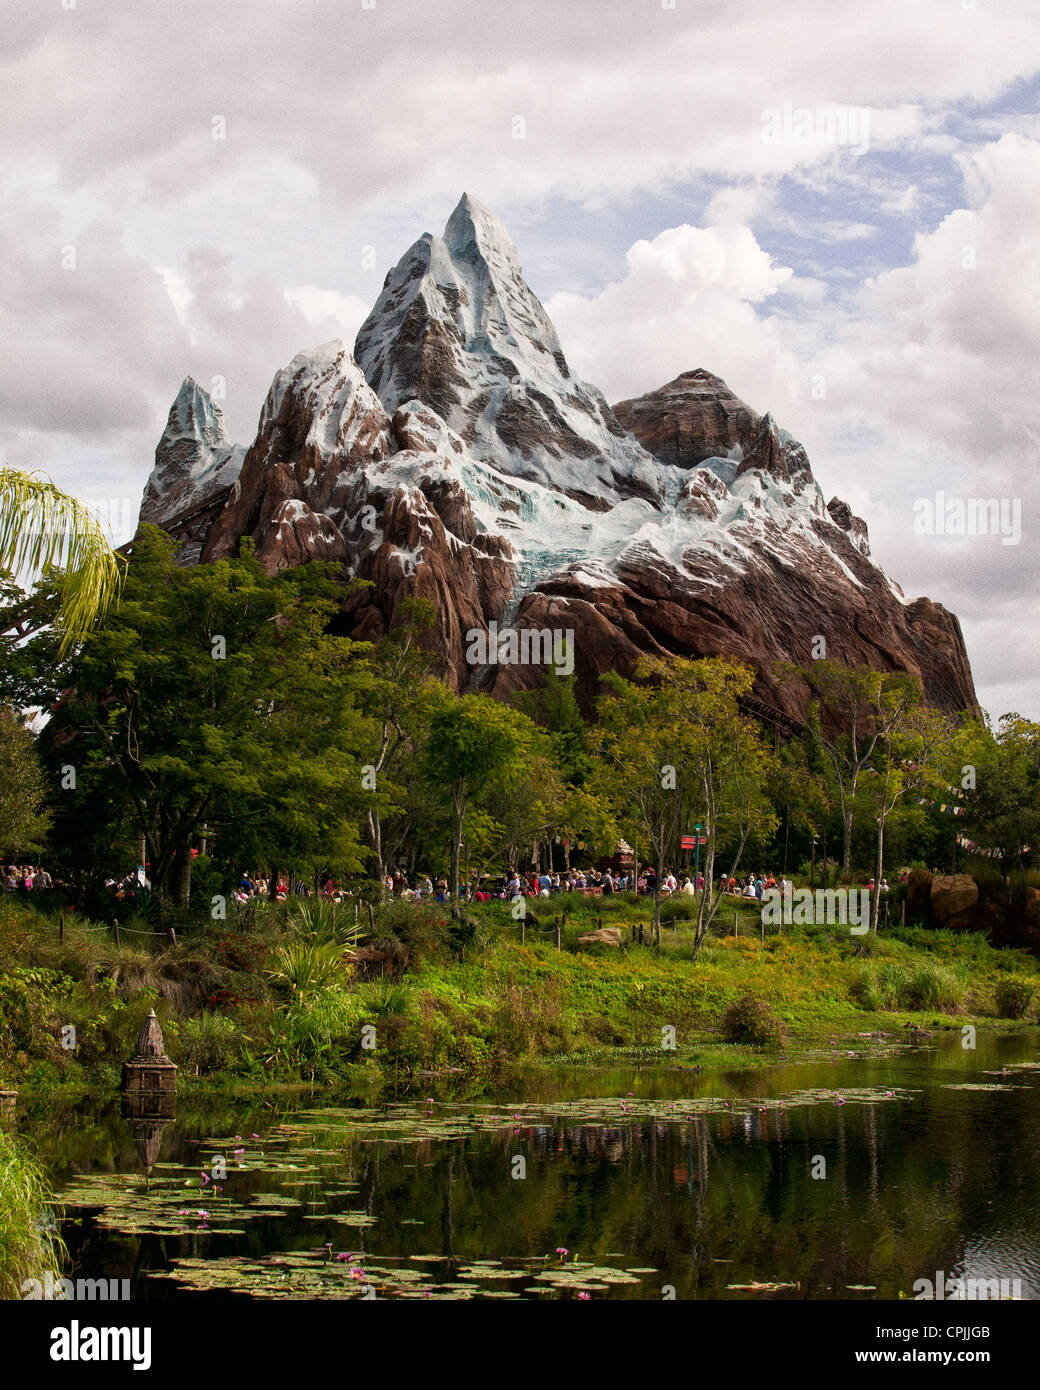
<point x="115" y="929"/>
<point x="173" y="937"/>
<point x="371" y="920"/>
<point x="523" y="931"/>
<point x="61" y="926"/>
<point x="762" y="928"/>
<point x="736" y="927"/>
<point x="904" y="912"/>
<point x="556" y="931"/>
<point x="641" y="941"/>
<point x="633" y="933"/>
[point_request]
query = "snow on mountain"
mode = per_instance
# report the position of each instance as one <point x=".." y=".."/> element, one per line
<point x="194" y="459"/>
<point x="457" y="327"/>
<point x="455" y="457"/>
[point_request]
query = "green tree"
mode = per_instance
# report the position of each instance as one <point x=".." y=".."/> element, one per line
<point x="399" y="695"/>
<point x="644" y="753"/>
<point x="215" y="696"/>
<point x="23" y="819"/>
<point x="1004" y="805"/>
<point x="553" y="706"/>
<point x="848" y="717"/>
<point x="731" y="768"/>
<point x="474" y="745"/>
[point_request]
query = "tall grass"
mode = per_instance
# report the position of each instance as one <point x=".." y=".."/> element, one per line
<point x="29" y="1246"/>
<point x="926" y="985"/>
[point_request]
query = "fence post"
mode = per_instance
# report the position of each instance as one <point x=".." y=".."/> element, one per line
<point x="115" y="928"/>
<point x="61" y="926"/>
<point x="556" y="931"/>
<point x="633" y="933"/>
<point x="173" y="937"/>
<point x="523" y="932"/>
<point x="904" y="912"/>
<point x="736" y="927"/>
<point x="762" y="928"/>
<point x="371" y="920"/>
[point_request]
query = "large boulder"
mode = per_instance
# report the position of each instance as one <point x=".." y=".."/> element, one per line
<point x="605" y="936"/>
<point x="953" y="900"/>
<point x="918" y="893"/>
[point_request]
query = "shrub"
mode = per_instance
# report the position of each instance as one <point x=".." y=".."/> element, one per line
<point x="205" y="1042"/>
<point x="750" y="1020"/>
<point x="886" y="985"/>
<point x="304" y="967"/>
<point x="320" y="919"/>
<point x="1013" y="998"/>
<point x="932" y="986"/>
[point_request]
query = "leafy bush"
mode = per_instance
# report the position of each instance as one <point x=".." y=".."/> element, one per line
<point x="320" y="919"/>
<point x="205" y="1042"/>
<point x="1013" y="998"/>
<point x="750" y="1020"/>
<point x="302" y="968"/>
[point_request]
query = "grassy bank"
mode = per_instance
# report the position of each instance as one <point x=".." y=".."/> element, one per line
<point x="260" y="1002"/>
<point x="29" y="1244"/>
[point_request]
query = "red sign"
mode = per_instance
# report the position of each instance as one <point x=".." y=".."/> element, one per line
<point x="692" y="841"/>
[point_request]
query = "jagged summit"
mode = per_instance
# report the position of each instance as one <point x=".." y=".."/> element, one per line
<point x="474" y="230"/>
<point x="457" y="327"/>
<point x="195" y="461"/>
<point x="194" y="414"/>
<point x="456" y="457"/>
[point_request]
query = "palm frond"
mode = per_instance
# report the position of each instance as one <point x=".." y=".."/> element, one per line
<point x="43" y="528"/>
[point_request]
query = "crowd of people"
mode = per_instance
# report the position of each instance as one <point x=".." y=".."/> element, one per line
<point x="481" y="887"/>
<point x="26" y="878"/>
<point x="514" y="884"/>
<point x="754" y="885"/>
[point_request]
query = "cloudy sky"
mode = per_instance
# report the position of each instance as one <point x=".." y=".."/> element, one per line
<point x="835" y="207"/>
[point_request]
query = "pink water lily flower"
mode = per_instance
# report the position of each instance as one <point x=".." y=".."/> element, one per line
<point x="204" y="1176"/>
<point x="584" y="1296"/>
<point x="562" y="1250"/>
<point x="203" y="1214"/>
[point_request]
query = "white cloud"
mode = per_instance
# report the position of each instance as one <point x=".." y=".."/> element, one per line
<point x="687" y="301"/>
<point x="348" y="128"/>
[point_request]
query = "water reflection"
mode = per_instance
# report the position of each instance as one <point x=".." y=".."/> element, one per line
<point x="835" y="1200"/>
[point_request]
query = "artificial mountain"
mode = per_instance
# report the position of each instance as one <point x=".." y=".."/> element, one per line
<point x="455" y="456"/>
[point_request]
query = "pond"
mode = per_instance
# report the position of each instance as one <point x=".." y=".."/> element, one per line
<point x="849" y="1173"/>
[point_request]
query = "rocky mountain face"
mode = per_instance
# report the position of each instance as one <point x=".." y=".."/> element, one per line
<point x="195" y="465"/>
<point x="454" y="456"/>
